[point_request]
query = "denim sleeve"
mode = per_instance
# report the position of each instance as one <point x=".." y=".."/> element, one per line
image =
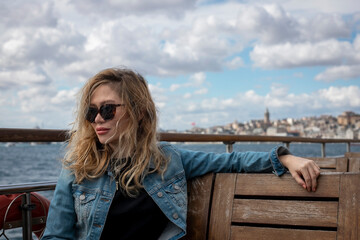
<point x="61" y="218"/>
<point x="198" y="163"/>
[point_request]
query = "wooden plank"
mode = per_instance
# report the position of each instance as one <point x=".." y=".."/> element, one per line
<point x="261" y="233"/>
<point x="284" y="212"/>
<point x="271" y="185"/>
<point x="221" y="210"/>
<point x="349" y="207"/>
<point x="352" y="154"/>
<point x="354" y="164"/>
<point x="329" y="163"/>
<point x="199" y="205"/>
<point x="342" y="164"/>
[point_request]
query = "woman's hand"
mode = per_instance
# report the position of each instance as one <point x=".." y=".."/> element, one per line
<point x="305" y="171"/>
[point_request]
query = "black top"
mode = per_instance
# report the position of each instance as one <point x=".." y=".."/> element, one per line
<point x="134" y="218"/>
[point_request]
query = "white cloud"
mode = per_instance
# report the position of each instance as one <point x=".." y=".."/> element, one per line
<point x="118" y="8"/>
<point x="286" y="55"/>
<point x="36" y="99"/>
<point x="250" y="105"/>
<point x="313" y="7"/>
<point x="197" y="79"/>
<point x="174" y="87"/>
<point x="341" y="97"/>
<point x="12" y="79"/>
<point x="65" y="97"/>
<point x="53" y="45"/>
<point x="25" y="13"/>
<point x="187" y="96"/>
<point x="159" y="96"/>
<point x="201" y="91"/>
<point x="339" y="72"/>
<point x="235" y="63"/>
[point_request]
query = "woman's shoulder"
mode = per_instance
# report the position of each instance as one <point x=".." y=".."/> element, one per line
<point x="167" y="147"/>
<point x="164" y="144"/>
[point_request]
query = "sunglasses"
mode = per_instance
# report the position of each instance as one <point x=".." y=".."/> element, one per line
<point x="107" y="112"/>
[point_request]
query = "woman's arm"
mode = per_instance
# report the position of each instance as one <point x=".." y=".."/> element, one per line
<point x="197" y="163"/>
<point x="278" y="161"/>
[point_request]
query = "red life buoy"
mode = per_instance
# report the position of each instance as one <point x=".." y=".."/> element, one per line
<point x="10" y="210"/>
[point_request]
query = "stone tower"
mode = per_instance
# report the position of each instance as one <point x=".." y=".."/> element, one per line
<point x="267" y="117"/>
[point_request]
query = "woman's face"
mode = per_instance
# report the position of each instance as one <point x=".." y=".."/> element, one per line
<point x="106" y="130"/>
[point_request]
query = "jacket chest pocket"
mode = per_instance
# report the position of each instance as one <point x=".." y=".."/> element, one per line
<point x="177" y="191"/>
<point x="83" y="202"/>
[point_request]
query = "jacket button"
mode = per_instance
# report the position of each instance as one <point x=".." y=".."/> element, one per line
<point x="82" y="196"/>
<point x="159" y="194"/>
<point x="176" y="187"/>
<point x="175" y="216"/>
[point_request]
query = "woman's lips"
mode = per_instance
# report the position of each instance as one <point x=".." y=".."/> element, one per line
<point x="102" y="131"/>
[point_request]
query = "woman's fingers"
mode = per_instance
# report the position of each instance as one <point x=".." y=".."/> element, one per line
<point x="299" y="179"/>
<point x="314" y="174"/>
<point x="304" y="171"/>
<point x="310" y="172"/>
<point x="307" y="178"/>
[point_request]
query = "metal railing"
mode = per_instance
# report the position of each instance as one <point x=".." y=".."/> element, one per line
<point x="25" y="189"/>
<point x="47" y="135"/>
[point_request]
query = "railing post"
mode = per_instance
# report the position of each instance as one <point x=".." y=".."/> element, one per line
<point x="27" y="207"/>
<point x="287" y="144"/>
<point x="229" y="146"/>
<point x="323" y="154"/>
<point x="348" y="147"/>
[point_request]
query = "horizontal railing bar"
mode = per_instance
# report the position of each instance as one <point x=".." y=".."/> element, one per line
<point x="32" y="135"/>
<point x="50" y="135"/>
<point x="27" y="187"/>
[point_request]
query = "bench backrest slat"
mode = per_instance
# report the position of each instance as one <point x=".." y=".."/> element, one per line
<point x="354" y="161"/>
<point x="199" y="197"/>
<point x="221" y="210"/>
<point x="270" y="185"/>
<point x="331" y="164"/>
<point x="349" y="207"/>
<point x="354" y="164"/>
<point x="239" y="232"/>
<point x="263" y="206"/>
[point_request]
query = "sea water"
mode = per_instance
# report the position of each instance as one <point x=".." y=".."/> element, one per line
<point x="26" y="163"/>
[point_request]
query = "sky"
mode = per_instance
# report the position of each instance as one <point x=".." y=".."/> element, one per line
<point x="207" y="62"/>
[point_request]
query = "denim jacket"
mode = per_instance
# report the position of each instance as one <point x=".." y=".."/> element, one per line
<point x="79" y="211"/>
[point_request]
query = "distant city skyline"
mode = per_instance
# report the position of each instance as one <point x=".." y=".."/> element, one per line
<point x="346" y="125"/>
<point x="267" y="114"/>
<point x="207" y="62"/>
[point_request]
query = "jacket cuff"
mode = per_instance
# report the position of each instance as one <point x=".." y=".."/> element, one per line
<point x="275" y="153"/>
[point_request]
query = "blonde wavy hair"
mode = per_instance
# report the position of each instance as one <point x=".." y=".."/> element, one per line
<point x="137" y="144"/>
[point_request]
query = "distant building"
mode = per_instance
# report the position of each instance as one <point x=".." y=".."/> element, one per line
<point x="276" y="131"/>
<point x="348" y="118"/>
<point x="267" y="117"/>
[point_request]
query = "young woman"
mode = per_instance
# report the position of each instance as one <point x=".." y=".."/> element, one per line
<point x="117" y="180"/>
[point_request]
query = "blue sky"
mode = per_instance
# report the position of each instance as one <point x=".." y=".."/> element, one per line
<point x="206" y="62"/>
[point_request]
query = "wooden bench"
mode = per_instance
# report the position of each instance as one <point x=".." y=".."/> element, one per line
<point x="331" y="164"/>
<point x="263" y="206"/>
<point x="349" y="163"/>
<point x="354" y="161"/>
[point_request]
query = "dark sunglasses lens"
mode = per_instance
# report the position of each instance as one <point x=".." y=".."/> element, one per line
<point x="91" y="114"/>
<point x="108" y="111"/>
